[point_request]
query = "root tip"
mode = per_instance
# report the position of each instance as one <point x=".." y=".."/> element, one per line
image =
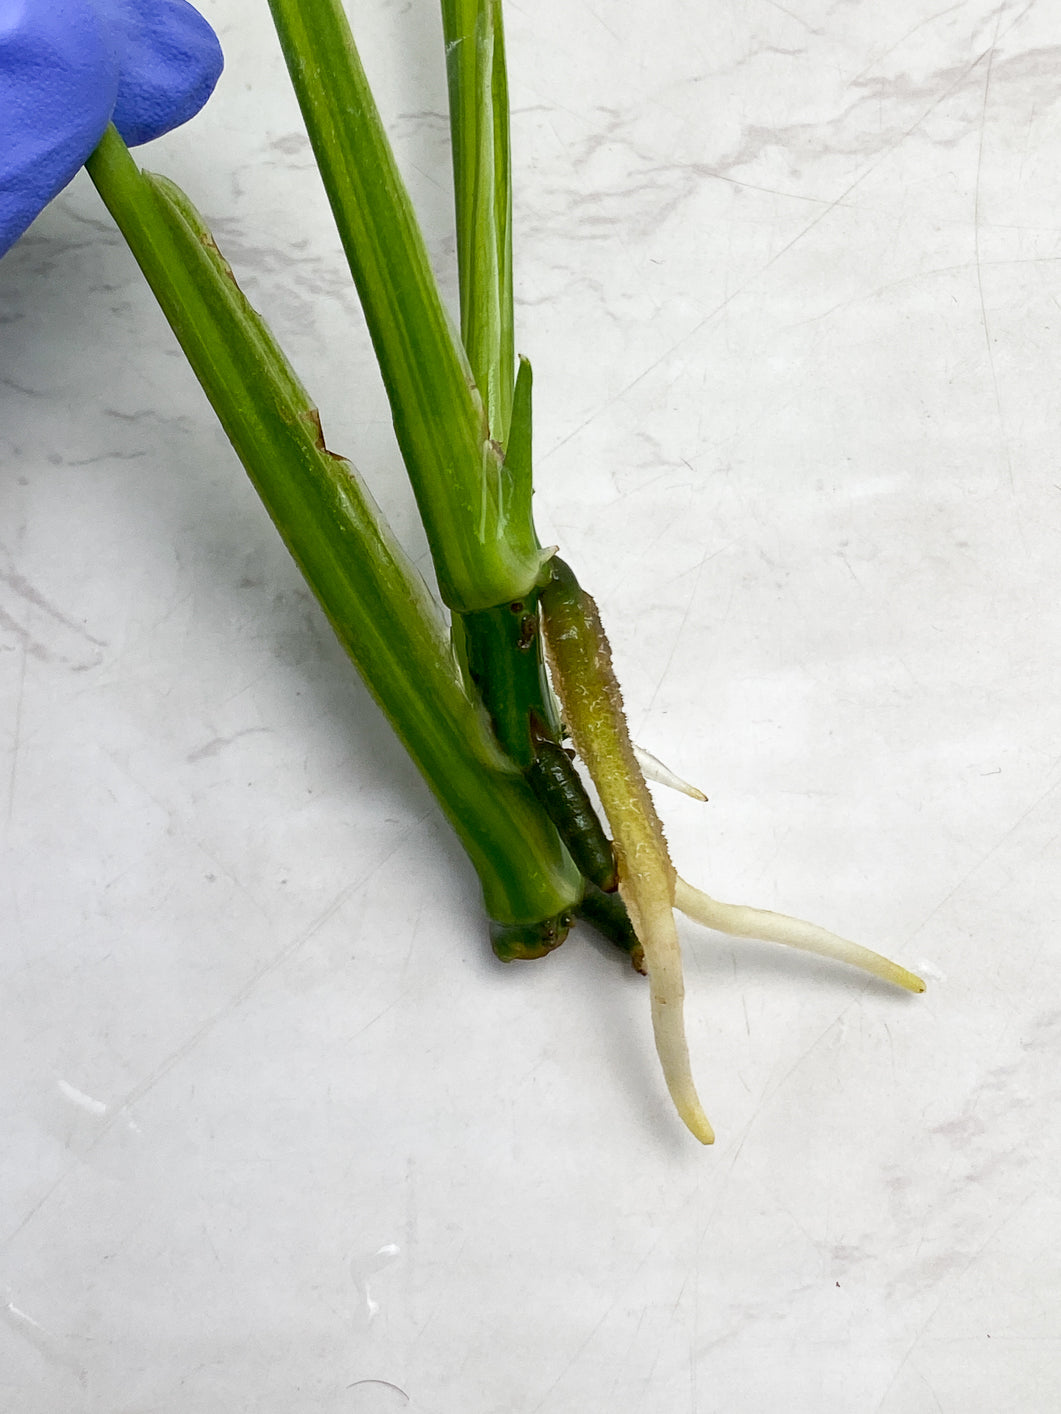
<point x="700" y="1128"/>
<point x="691" y="1113"/>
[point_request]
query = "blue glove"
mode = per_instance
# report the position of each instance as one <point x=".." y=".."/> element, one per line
<point x="69" y="67"/>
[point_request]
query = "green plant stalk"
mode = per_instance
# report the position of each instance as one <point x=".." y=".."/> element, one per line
<point x="479" y="127"/>
<point x="477" y="518"/>
<point x="502" y="656"/>
<point x="504" y="644"/>
<point x="406" y="318"/>
<point x="376" y="602"/>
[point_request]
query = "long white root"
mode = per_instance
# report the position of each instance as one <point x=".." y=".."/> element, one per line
<point x="742" y="922"/>
<point x="646" y="894"/>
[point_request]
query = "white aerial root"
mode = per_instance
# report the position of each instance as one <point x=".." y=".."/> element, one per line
<point x="653" y="769"/>
<point x="742" y="922"/>
<point x="647" y="897"/>
<point x="580" y="660"/>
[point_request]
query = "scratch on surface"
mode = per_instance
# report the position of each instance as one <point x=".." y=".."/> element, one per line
<point x="576" y="1355"/>
<point x="976" y="247"/>
<point x="16" y="739"/>
<point x="920" y="25"/>
<point x="919" y="276"/>
<point x="708" y="555"/>
<point x="692" y="1199"/>
<point x="620" y="38"/>
<point x="791" y="14"/>
<point x="923" y="1326"/>
<point x="987" y="855"/>
<point x="768" y="1095"/>
<point x="47" y="1345"/>
<point x="850" y="569"/>
<point x="828" y="208"/>
<point x="180" y="1052"/>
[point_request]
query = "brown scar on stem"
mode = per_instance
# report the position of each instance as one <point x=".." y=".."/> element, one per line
<point x="206" y="240"/>
<point x="313" y="417"/>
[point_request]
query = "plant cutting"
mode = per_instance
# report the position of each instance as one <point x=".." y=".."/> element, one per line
<point x="487" y="687"/>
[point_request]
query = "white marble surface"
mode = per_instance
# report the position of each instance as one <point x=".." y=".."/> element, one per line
<point x="279" y="1134"/>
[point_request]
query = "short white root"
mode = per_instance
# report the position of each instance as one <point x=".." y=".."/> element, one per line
<point x="653" y="769"/>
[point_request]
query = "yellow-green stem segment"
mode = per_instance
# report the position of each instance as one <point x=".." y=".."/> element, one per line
<point x="581" y="664"/>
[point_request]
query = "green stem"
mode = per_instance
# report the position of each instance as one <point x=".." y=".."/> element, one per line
<point x="504" y="658"/>
<point x="478" y="524"/>
<point x="482" y="180"/>
<point x="502" y="653"/>
<point x="607" y="913"/>
<point x="559" y="787"/>
<point x="377" y="604"/>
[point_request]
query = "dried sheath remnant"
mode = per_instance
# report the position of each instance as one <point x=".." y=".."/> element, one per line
<point x="581" y="664"/>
